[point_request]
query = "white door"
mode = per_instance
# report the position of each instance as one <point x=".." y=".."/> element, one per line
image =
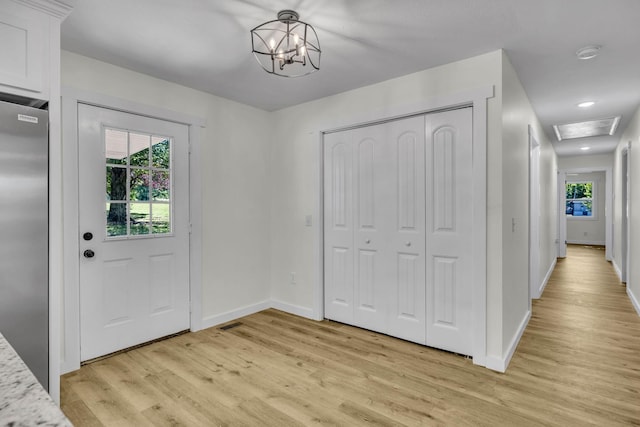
<point x="398" y="235"/>
<point x="374" y="227"/>
<point x="449" y="236"/>
<point x="134" y="229"/>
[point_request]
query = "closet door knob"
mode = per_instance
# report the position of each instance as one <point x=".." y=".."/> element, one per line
<point x="367" y="241"/>
<point x="408" y="244"/>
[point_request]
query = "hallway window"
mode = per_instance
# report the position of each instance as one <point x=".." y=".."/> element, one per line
<point x="580" y="199"/>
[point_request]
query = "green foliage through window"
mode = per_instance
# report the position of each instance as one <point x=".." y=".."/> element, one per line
<point x="579" y="197"/>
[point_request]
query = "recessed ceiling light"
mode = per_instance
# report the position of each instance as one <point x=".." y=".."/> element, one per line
<point x="588" y="52"/>
<point x="598" y="127"/>
<point x="586" y="104"/>
<point x="585" y="148"/>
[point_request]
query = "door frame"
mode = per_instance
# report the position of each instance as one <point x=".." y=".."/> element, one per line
<point x="534" y="217"/>
<point x="475" y="98"/>
<point x="625" y="229"/>
<point x="71" y="97"/>
<point x="608" y="208"/>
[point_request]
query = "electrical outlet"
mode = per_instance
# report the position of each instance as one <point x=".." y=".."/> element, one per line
<point x="585" y="234"/>
<point x="293" y="278"/>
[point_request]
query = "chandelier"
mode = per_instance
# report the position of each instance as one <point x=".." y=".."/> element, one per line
<point x="286" y="47"/>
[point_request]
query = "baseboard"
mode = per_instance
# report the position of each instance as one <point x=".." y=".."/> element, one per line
<point x="585" y="242"/>
<point x="617" y="269"/>
<point x="228" y="316"/>
<point x="547" y="277"/>
<point x="500" y="364"/>
<point x="634" y="300"/>
<point x="293" y="309"/>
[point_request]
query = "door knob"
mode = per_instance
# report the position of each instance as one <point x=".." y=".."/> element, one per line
<point x="87" y="236"/>
<point x="367" y="241"/>
<point x="408" y="244"/>
<point x="89" y="253"/>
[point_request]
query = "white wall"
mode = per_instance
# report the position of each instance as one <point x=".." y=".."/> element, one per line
<point x="631" y="136"/>
<point x="235" y="178"/>
<point x="589" y="230"/>
<point x="594" y="161"/>
<point x="517" y="116"/>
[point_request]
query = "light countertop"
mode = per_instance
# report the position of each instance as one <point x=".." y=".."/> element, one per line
<point x="23" y="401"/>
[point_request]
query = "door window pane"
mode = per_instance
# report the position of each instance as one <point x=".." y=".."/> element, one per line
<point x="139" y="184"/>
<point x="138" y="171"/>
<point x="116" y="214"/>
<point x="139" y="149"/>
<point x="161" y="152"/>
<point x="116" y="178"/>
<point x="115" y="142"/>
<point x="160" y="186"/>
<point x="140" y="218"/>
<point x="160" y="220"/>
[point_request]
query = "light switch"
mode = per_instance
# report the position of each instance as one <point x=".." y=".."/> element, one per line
<point x="308" y="220"/>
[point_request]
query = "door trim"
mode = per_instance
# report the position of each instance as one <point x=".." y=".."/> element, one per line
<point x="477" y="99"/>
<point x="71" y="97"/>
<point x="535" y="288"/>
<point x="608" y="208"/>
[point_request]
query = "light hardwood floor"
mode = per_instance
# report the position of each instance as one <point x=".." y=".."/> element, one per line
<point x="578" y="364"/>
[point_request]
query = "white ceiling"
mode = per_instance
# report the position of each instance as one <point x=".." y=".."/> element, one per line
<point x="205" y="44"/>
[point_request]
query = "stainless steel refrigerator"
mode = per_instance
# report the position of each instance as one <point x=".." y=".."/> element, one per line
<point x="24" y="234"/>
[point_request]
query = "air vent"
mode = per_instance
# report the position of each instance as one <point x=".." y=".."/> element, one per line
<point x="600" y="127"/>
<point x="230" y="326"/>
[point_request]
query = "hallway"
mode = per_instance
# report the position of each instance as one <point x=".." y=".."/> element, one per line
<point x="582" y="345"/>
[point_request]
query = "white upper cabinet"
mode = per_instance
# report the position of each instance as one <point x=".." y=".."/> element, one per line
<point x="27" y="29"/>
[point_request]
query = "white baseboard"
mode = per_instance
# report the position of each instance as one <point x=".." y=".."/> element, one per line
<point x="547" y="277"/>
<point x="617" y="269"/>
<point x="293" y="309"/>
<point x="634" y="300"/>
<point x="210" y="321"/>
<point x="585" y="242"/>
<point x="500" y="364"/>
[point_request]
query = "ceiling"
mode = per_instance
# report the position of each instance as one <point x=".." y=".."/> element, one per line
<point x="205" y="45"/>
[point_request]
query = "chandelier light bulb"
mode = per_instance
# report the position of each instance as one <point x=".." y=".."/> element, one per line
<point x="286" y="46"/>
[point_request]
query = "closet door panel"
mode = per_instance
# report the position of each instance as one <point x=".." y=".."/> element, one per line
<point x="449" y="230"/>
<point x="405" y="288"/>
<point x="338" y="227"/>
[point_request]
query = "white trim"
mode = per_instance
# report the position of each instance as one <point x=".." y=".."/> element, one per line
<point x="70" y="360"/>
<point x="56" y="8"/>
<point x="608" y="207"/>
<point x="500" y="364"/>
<point x="634" y="300"/>
<point x="543" y="285"/>
<point x="217" y="319"/>
<point x="617" y="269"/>
<point x="534" y="215"/>
<point x="293" y="309"/>
<point x="477" y="98"/>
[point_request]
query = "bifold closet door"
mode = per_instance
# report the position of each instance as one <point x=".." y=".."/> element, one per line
<point x="398" y="212"/>
<point x="374" y="227"/>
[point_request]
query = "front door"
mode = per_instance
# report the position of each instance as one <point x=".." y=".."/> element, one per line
<point x="134" y="229"/>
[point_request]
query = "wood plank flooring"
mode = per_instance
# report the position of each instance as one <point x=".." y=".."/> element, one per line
<point x="578" y="364"/>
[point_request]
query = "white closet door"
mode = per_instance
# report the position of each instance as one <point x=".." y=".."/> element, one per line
<point x="449" y="230"/>
<point x="374" y="228"/>
<point x="338" y="227"/>
<point x="404" y="208"/>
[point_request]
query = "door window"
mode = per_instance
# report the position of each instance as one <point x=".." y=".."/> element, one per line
<point x="138" y="184"/>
